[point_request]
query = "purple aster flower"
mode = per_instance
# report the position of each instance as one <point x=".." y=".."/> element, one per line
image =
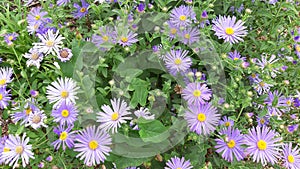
<point x="175" y="163"/>
<point x="263" y="145"/>
<point x="4" y="97"/>
<point x="156" y="48"/>
<point x="202" y="118"/>
<point x="93" y="145"/>
<point x="144" y="113"/>
<point x="172" y="30"/>
<point x="182" y="16"/>
<point x="9" y="38"/>
<point x="227" y="29"/>
<point x="177" y="61"/>
<point x="2" y="147"/>
<point x="5" y="76"/>
<point x="62" y="2"/>
<point x="264" y="62"/>
<point x="263" y="121"/>
<point x="296" y="102"/>
<point x="41" y="165"/>
<point x="65" y="113"/>
<point x="36" y="119"/>
<point x="273" y="2"/>
<point x="82" y="10"/>
<point x="245" y="65"/>
<point x="16" y="148"/>
<point x="292" y="128"/>
<point x="36" y="16"/>
<point x="291" y="155"/>
<point x="189" y="36"/>
<point x="262" y="87"/>
<point x="236" y="56"/>
<point x="66" y="137"/>
<point x="127" y="39"/>
<point x="107" y="36"/>
<point x="221" y="101"/>
<point x="64" y="54"/>
<point x="196" y="93"/>
<point x="23" y="115"/>
<point x="231" y="145"/>
<point x="140" y="8"/>
<point x="34" y="57"/>
<point x="283" y="68"/>
<point x="112" y="118"/>
<point x="274" y="102"/>
<point x="227" y="122"/>
<point x="240" y="9"/>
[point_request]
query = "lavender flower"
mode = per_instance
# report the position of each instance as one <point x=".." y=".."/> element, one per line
<point x="291" y="155"/>
<point x="9" y="38"/>
<point x="189" y="36"/>
<point x="82" y="10"/>
<point x="227" y="29"/>
<point x="127" y="39"/>
<point x="177" y="61"/>
<point x="4" y="97"/>
<point x="227" y="122"/>
<point x="196" y="93"/>
<point x="65" y="113"/>
<point x="66" y="137"/>
<point x="274" y="103"/>
<point x="176" y="163"/>
<point x="182" y="16"/>
<point x="236" y="56"/>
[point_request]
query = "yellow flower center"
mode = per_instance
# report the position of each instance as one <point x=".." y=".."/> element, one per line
<point x="65" y="113"/>
<point x="10" y="38"/>
<point x="262" y="145"/>
<point x="177" y="61"/>
<point x="49" y="43"/>
<point x="36" y="119"/>
<point x="34" y="56"/>
<point x="63" y="135"/>
<point x="93" y="144"/>
<point x="298" y="48"/>
<point x="6" y="149"/>
<point x="253" y="75"/>
<point x="288" y="102"/>
<point x="187" y="36"/>
<point x="197" y="93"/>
<point x="36" y="26"/>
<point x="229" y="31"/>
<point x="291" y="158"/>
<point x="64" y="94"/>
<point x="105" y="38"/>
<point x="262" y="121"/>
<point x="182" y="17"/>
<point x="82" y="9"/>
<point x="262" y="84"/>
<point x="227" y="124"/>
<point x="37" y="17"/>
<point x="201" y="117"/>
<point x="179" y="168"/>
<point x="28" y="111"/>
<point x="173" y="31"/>
<point x="115" y="116"/>
<point x="235" y="58"/>
<point x="124" y="39"/>
<point x="1" y="96"/>
<point x="2" y="82"/>
<point x="19" y="149"/>
<point x="231" y="144"/>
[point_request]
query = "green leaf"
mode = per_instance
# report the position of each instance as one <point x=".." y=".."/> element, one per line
<point x="153" y="131"/>
<point x="140" y="88"/>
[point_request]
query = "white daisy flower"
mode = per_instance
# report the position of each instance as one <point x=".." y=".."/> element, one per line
<point x="36" y="120"/>
<point x="51" y="43"/>
<point x="5" y="76"/>
<point x="64" y="89"/>
<point x="34" y="58"/>
<point x="112" y="118"/>
<point x="65" y="54"/>
<point x="16" y="148"/>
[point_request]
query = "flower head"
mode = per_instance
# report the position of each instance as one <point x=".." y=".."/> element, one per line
<point x="82" y="10"/>
<point x="9" y="38"/>
<point x="93" y="145"/>
<point x="291" y="159"/>
<point x="177" y="61"/>
<point x="202" y="118"/>
<point x="274" y="102"/>
<point x="236" y="56"/>
<point x="127" y="38"/>
<point x="36" y="16"/>
<point x="65" y="54"/>
<point x="36" y="119"/>
<point x="64" y="89"/>
<point x="177" y="163"/>
<point x="230" y="147"/>
<point x="228" y="29"/>
<point x="66" y="137"/>
<point x="34" y="57"/>
<point x="23" y="115"/>
<point x="227" y="122"/>
<point x="189" y="36"/>
<point x="5" y="76"/>
<point x="4" y="97"/>
<point x="16" y="148"/>
<point x="112" y="118"/>
<point x="196" y="93"/>
<point x="182" y="16"/>
<point x="50" y="43"/>
<point x="65" y="113"/>
<point x="263" y="121"/>
<point x="263" y="144"/>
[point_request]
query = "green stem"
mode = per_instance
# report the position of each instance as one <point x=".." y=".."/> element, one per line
<point x="239" y="114"/>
